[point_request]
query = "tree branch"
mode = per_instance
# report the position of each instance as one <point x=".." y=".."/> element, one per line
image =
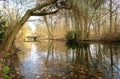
<point x="42" y="5"/>
<point x="44" y="13"/>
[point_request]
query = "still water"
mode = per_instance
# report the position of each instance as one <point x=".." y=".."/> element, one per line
<point x="71" y="60"/>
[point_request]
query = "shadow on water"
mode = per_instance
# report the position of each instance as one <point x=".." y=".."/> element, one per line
<point x="69" y="60"/>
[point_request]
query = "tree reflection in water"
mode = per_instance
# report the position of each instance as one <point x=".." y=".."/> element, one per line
<point x="57" y="60"/>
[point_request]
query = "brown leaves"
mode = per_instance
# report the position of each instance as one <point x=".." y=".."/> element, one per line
<point x="72" y="72"/>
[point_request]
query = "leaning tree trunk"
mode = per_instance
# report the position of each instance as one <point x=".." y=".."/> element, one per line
<point x="18" y="25"/>
<point x="13" y="34"/>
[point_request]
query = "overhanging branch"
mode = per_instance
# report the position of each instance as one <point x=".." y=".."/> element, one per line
<point x="43" y="5"/>
<point x="44" y="13"/>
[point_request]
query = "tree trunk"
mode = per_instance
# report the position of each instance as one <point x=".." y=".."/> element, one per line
<point x="13" y="34"/>
<point x="110" y="29"/>
<point x="48" y="28"/>
<point x="85" y="31"/>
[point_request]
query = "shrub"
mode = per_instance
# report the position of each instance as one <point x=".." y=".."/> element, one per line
<point x="71" y="35"/>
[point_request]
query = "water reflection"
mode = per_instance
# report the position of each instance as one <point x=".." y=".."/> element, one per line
<point x="60" y="60"/>
<point x="32" y="63"/>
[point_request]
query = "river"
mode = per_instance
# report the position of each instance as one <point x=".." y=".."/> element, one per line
<point x="71" y="60"/>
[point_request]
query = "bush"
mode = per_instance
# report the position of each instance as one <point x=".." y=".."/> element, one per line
<point x="71" y="35"/>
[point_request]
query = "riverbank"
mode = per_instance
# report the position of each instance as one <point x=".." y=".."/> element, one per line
<point x="12" y="63"/>
<point x="94" y="38"/>
<point x="7" y="63"/>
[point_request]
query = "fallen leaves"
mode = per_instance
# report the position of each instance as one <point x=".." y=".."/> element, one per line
<point x="70" y="71"/>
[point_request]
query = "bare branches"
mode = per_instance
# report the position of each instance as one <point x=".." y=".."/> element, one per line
<point x="98" y="3"/>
